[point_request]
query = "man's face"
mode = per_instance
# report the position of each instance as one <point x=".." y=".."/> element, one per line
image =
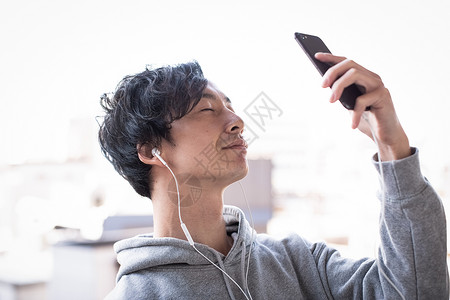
<point x="208" y="141"/>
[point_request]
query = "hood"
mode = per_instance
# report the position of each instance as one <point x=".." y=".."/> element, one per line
<point x="145" y="251"/>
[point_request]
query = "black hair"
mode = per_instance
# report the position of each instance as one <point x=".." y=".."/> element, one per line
<point x="141" y="111"/>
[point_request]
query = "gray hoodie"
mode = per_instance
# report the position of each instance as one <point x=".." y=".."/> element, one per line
<point x="413" y="255"/>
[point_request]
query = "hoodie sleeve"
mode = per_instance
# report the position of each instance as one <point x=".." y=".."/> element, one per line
<point x="413" y="251"/>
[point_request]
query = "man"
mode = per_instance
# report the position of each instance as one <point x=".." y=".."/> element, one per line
<point x="177" y="112"/>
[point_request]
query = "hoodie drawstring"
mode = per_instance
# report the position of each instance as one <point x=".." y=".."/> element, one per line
<point x="243" y="252"/>
<point x="225" y="278"/>
<point x="243" y="272"/>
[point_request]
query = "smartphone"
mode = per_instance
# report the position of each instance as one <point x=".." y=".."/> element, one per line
<point x="311" y="45"/>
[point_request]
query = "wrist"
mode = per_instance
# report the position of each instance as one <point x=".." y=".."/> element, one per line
<point x="399" y="150"/>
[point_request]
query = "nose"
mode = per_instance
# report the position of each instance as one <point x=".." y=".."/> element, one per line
<point x="235" y="124"/>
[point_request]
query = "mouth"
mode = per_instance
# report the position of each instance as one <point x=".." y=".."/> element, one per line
<point x="238" y="144"/>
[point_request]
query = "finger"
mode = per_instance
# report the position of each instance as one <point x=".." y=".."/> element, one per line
<point x="329" y="58"/>
<point x="358" y="111"/>
<point x="338" y="86"/>
<point x="334" y="59"/>
<point x="344" y="66"/>
<point x="372" y="99"/>
<point x="362" y="78"/>
<point x="337" y="71"/>
<point x="348" y="78"/>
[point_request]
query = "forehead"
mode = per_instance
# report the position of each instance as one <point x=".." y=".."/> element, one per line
<point x="212" y="92"/>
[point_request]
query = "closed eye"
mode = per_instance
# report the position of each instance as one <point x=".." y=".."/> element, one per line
<point x="207" y="109"/>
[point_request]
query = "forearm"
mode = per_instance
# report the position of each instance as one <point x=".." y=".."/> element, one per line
<point x="413" y="232"/>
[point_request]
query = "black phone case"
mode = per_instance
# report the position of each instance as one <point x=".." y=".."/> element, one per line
<point x="311" y="45"/>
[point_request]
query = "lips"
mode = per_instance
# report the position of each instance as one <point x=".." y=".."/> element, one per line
<point x="237" y="145"/>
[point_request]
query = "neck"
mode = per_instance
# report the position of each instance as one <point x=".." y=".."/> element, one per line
<point x="202" y="216"/>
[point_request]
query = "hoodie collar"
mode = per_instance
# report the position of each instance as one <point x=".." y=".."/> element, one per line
<point x="145" y="251"/>
<point x="239" y="229"/>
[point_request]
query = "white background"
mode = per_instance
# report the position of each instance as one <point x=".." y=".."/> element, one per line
<point x="58" y="57"/>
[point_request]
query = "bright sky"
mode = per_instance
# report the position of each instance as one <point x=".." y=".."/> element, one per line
<point x="58" y="57"/>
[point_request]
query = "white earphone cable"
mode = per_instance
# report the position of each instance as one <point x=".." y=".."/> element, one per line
<point x="251" y="239"/>
<point x="191" y="241"/>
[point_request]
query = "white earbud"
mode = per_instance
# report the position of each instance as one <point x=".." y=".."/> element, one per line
<point x="156" y="153"/>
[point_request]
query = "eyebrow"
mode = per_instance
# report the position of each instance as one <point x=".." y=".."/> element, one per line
<point x="213" y="97"/>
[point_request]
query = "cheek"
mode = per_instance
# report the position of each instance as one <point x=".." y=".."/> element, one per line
<point x="194" y="144"/>
<point x="195" y="140"/>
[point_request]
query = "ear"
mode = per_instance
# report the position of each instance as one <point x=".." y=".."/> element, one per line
<point x="145" y="155"/>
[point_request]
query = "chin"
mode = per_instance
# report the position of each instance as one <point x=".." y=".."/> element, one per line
<point x="241" y="172"/>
